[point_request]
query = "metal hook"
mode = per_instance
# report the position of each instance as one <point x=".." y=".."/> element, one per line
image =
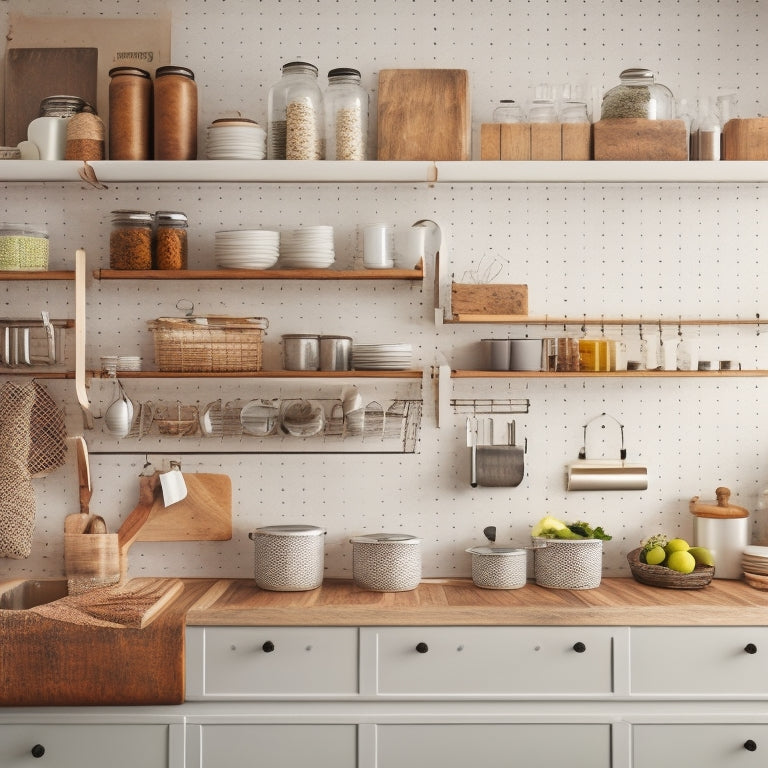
<point x="185" y="305"/>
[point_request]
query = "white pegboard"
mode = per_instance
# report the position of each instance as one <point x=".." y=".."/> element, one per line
<point x="630" y="250"/>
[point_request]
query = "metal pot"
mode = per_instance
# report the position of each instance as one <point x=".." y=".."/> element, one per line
<point x="335" y="353"/>
<point x="301" y="352"/>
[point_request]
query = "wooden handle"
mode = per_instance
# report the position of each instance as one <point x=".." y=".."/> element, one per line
<point x="83" y="475"/>
<point x="129" y="530"/>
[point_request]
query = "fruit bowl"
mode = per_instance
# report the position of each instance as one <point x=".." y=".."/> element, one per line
<point x="661" y="576"/>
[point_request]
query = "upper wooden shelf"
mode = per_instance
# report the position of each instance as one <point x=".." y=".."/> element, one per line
<point x="60" y="274"/>
<point x="259" y="274"/>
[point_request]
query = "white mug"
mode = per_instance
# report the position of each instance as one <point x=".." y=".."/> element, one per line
<point x="409" y="247"/>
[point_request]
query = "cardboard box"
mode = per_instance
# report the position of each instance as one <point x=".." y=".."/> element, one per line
<point x="488" y="299"/>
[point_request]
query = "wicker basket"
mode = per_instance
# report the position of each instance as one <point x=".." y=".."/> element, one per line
<point x="386" y="562"/>
<point x="660" y="576"/>
<point x="568" y="563"/>
<point x="208" y="344"/>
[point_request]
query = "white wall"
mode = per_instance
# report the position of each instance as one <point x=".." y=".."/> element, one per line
<point x="694" y="250"/>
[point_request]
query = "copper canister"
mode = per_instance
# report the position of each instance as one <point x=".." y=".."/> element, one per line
<point x="130" y="114"/>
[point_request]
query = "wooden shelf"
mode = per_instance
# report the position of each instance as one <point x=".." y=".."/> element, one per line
<point x="56" y="274"/>
<point x="410" y="374"/>
<point x="259" y="274"/>
<point x="756" y="320"/>
<point x="462" y="374"/>
<point x="36" y="372"/>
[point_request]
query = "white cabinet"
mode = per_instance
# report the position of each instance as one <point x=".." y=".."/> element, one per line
<point x="84" y="745"/>
<point x="533" y="745"/>
<point x="711" y="745"/>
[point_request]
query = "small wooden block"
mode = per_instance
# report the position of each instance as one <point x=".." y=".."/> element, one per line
<point x="516" y="141"/>
<point x="490" y="299"/>
<point x="490" y="141"/>
<point x="576" y="141"/>
<point x="545" y="141"/>
<point x="746" y="139"/>
<point x="640" y="139"/>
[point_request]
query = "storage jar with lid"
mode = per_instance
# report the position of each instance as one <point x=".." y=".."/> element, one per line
<point x="130" y="114"/>
<point x="288" y="558"/>
<point x="386" y="562"/>
<point x="130" y="241"/>
<point x="295" y="114"/>
<point x="638" y="95"/>
<point x="85" y="136"/>
<point x="175" y="114"/>
<point x="23" y="247"/>
<point x="48" y="132"/>
<point x="346" y="115"/>
<point x="499" y="567"/>
<point x="508" y="111"/>
<point x="171" y="248"/>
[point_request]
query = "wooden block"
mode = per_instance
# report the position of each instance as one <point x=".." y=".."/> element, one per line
<point x="515" y="141"/>
<point x="490" y="141"/>
<point x="488" y="299"/>
<point x="640" y="139"/>
<point x="545" y="141"/>
<point x="576" y="141"/>
<point x="746" y="139"/>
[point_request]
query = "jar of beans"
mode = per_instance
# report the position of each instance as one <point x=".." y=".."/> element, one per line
<point x="295" y="112"/>
<point x="170" y="240"/>
<point x="346" y="115"/>
<point x="130" y="241"/>
<point x="638" y="95"/>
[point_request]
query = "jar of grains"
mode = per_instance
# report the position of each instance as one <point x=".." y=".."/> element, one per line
<point x="295" y="114"/>
<point x="130" y="241"/>
<point x="346" y="116"/>
<point x="130" y="114"/>
<point x="175" y="114"/>
<point x="170" y="240"/>
<point x="638" y="95"/>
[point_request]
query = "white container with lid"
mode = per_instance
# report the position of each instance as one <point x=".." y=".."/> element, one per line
<point x="288" y="558"/>
<point x="499" y="567"/>
<point x="386" y="562"/>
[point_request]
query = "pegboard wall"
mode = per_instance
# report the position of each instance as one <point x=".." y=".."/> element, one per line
<point x="618" y="250"/>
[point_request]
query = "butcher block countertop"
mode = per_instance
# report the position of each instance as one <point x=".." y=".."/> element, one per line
<point x="616" y="602"/>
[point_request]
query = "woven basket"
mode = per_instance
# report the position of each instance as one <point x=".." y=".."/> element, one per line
<point x="568" y="563"/>
<point x="288" y="558"/>
<point x="208" y="344"/>
<point x="660" y="576"/>
<point x="386" y="562"/>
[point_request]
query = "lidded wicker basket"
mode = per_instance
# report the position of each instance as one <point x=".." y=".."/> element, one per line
<point x="499" y="567"/>
<point x="386" y="562"/>
<point x="288" y="558"/>
<point x="568" y="563"/>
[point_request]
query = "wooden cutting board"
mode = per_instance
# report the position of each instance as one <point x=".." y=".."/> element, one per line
<point x="32" y="74"/>
<point x="424" y="114"/>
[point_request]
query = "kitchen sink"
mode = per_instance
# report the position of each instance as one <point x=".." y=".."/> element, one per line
<point x="31" y="592"/>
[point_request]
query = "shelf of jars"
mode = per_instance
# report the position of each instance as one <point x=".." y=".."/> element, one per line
<point x="26" y="275"/>
<point x="259" y="274"/>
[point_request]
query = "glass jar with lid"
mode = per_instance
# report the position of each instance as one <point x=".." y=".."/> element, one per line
<point x="508" y="111"/>
<point x="61" y="106"/>
<point x="130" y="240"/>
<point x="295" y="114"/>
<point x="175" y="114"/>
<point x="346" y="115"/>
<point x="638" y="95"/>
<point x="542" y="111"/>
<point x="171" y="244"/>
<point x="130" y="114"/>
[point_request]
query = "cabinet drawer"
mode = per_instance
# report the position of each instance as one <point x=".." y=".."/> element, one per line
<point x="494" y="660"/>
<point x="84" y="746"/>
<point x="277" y="746"/>
<point x="699" y="660"/>
<point x="533" y="745"/>
<point x="703" y="746"/>
<point x="281" y="661"/>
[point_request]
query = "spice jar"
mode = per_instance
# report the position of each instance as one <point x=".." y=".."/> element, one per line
<point x="638" y="95"/>
<point x="175" y="114"/>
<point x="346" y="113"/>
<point x="295" y="109"/>
<point x="130" y="114"/>
<point x="508" y="111"/>
<point x="170" y="240"/>
<point x="130" y="241"/>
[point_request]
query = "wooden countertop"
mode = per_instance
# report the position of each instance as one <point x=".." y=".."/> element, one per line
<point x="616" y="602"/>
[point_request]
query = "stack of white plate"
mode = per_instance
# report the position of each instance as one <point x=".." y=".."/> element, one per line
<point x="236" y="139"/>
<point x="307" y="248"/>
<point x="246" y="248"/>
<point x="128" y="363"/>
<point x="754" y="560"/>
<point x="381" y="357"/>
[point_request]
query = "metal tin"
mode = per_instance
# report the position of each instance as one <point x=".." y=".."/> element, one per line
<point x="386" y="562"/>
<point x="301" y="351"/>
<point x="335" y="353"/>
<point x="288" y="558"/>
<point x="726" y="539"/>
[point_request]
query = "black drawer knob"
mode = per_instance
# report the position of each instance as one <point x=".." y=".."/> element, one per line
<point x="750" y="648"/>
<point x="579" y="647"/>
<point x="750" y="745"/>
<point x="422" y="647"/>
<point x="38" y="750"/>
<point x="268" y="647"/>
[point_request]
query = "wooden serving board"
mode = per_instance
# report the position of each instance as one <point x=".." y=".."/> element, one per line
<point x="424" y="114"/>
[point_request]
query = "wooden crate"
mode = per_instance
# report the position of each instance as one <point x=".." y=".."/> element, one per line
<point x="640" y="139"/>
<point x="488" y="299"/>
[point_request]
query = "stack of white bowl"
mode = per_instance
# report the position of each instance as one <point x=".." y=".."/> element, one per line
<point x="307" y="248"/>
<point x="381" y="357"/>
<point x="246" y="248"/>
<point x="236" y="139"/>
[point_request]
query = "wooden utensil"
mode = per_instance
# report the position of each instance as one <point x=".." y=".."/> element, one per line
<point x="78" y="522"/>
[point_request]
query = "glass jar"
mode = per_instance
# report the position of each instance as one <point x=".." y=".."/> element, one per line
<point x="130" y="114"/>
<point x="574" y="112"/>
<point x="295" y="109"/>
<point x="171" y="248"/>
<point x="638" y="95"/>
<point x="61" y="106"/>
<point x="130" y="241"/>
<point x="346" y="113"/>
<point x="175" y="114"/>
<point x="542" y="111"/>
<point x="508" y="111"/>
<point x="23" y="247"/>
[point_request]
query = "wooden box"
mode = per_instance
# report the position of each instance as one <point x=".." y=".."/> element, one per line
<point x="488" y="299"/>
<point x="535" y="141"/>
<point x="640" y="139"/>
<point x="746" y="139"/>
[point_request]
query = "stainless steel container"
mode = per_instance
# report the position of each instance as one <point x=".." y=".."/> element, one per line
<point x="301" y="352"/>
<point x="726" y="538"/>
<point x="288" y="558"/>
<point x="386" y="562"/>
<point x="335" y="353"/>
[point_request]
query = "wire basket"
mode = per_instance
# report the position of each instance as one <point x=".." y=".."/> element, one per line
<point x="208" y="344"/>
<point x="568" y="563"/>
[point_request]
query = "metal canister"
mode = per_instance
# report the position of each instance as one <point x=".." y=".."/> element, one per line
<point x="175" y="114"/>
<point x="130" y="114"/>
<point x="301" y="351"/>
<point x="335" y="353"/>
